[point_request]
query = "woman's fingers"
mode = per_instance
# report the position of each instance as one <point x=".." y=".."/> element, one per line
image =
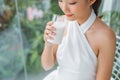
<point x="49" y="31"/>
<point x="50" y="23"/>
<point x="49" y="37"/>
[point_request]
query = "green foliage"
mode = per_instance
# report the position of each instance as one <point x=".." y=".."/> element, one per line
<point x="55" y="7"/>
<point x="34" y="33"/>
<point x="114" y="21"/>
<point x="10" y="52"/>
<point x="33" y="30"/>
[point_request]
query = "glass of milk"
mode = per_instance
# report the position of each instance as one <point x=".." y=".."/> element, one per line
<point x="60" y="23"/>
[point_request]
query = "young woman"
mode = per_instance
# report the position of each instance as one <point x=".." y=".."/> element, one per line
<point x="88" y="46"/>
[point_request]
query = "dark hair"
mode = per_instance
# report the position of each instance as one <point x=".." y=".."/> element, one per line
<point x="96" y="6"/>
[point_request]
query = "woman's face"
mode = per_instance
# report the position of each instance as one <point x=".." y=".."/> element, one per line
<point x="74" y="9"/>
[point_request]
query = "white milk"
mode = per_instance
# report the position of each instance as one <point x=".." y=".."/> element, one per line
<point x="60" y="27"/>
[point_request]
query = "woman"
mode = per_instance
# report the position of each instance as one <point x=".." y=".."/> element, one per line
<point x="88" y="46"/>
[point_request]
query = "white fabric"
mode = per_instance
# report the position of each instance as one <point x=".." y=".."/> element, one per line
<point x="75" y="57"/>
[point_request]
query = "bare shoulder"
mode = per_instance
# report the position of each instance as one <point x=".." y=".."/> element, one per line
<point x="104" y="33"/>
<point x="106" y="41"/>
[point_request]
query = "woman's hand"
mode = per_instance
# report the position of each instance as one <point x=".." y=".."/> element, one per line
<point x="49" y="32"/>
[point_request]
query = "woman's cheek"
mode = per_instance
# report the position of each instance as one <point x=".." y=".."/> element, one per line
<point x="75" y="10"/>
<point x="60" y="5"/>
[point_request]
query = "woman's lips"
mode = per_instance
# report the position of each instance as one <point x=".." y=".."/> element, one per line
<point x="68" y="15"/>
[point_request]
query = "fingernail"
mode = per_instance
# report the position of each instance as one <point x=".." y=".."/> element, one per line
<point x="53" y="28"/>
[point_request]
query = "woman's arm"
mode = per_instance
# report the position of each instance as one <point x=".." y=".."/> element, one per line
<point x="107" y="47"/>
<point x="48" y="57"/>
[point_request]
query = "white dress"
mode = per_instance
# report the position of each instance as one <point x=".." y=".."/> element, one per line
<point x="75" y="57"/>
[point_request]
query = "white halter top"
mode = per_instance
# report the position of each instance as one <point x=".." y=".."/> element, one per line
<point x="75" y="57"/>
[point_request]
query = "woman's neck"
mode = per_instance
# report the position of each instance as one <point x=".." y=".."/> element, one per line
<point x="84" y="18"/>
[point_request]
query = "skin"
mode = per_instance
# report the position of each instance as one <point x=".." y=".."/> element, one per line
<point x="100" y="37"/>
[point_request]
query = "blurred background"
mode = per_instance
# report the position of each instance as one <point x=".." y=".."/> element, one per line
<point x="22" y="24"/>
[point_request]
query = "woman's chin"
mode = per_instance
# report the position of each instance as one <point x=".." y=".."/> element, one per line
<point x="70" y="19"/>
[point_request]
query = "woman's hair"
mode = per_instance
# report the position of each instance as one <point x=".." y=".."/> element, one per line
<point x="96" y="6"/>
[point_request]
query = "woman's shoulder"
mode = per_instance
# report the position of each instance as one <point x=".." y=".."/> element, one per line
<point x="104" y="33"/>
<point x="104" y="30"/>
